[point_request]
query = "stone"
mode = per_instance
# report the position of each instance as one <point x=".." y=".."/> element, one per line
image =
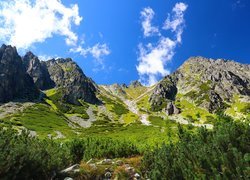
<point x="171" y="109"/>
<point x="72" y="169"/>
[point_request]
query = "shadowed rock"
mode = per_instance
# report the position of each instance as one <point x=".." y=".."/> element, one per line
<point x="38" y="71"/>
<point x="68" y="76"/>
<point x="15" y="84"/>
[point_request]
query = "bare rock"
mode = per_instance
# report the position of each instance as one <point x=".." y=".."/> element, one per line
<point x="171" y="109"/>
<point x="15" y="84"/>
<point x="38" y="71"/>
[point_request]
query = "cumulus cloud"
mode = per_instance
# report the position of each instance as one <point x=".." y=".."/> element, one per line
<point x="25" y="22"/>
<point x="154" y="56"/>
<point x="44" y="57"/>
<point x="176" y="22"/>
<point x="98" y="51"/>
<point x="147" y="15"/>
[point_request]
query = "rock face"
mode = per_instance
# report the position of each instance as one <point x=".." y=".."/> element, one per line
<point x="21" y="78"/>
<point x="207" y="82"/>
<point x="135" y="84"/>
<point x="171" y="109"/>
<point x="15" y="84"/>
<point x="38" y="71"/>
<point x="69" y="77"/>
<point x="164" y="93"/>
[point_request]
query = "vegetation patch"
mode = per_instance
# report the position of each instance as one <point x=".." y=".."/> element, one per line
<point x="143" y="104"/>
<point x="219" y="154"/>
<point x="133" y="93"/>
<point x="130" y="118"/>
<point x="55" y="101"/>
<point x="157" y="121"/>
<point x="192" y="112"/>
<point x="43" y="120"/>
<point x="116" y="107"/>
<point x="238" y="108"/>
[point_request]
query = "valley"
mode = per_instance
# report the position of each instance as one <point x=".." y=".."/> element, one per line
<point x="55" y="107"/>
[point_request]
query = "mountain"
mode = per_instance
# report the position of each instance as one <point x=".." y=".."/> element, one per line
<point x="15" y="84"/>
<point x="74" y="105"/>
<point x="62" y="74"/>
<point x="70" y="79"/>
<point x="38" y="71"/>
<point x="210" y="84"/>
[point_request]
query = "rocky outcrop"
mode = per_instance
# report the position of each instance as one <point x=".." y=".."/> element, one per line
<point x="163" y="93"/>
<point x="21" y="78"/>
<point x="38" y="71"/>
<point x="135" y="84"/>
<point x="172" y="109"/>
<point x="69" y="77"/>
<point x="15" y="84"/>
<point x="207" y="82"/>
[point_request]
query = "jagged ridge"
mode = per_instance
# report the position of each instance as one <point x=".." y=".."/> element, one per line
<point x="209" y="83"/>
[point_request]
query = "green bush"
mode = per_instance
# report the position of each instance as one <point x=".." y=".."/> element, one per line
<point x="23" y="157"/>
<point x="223" y="153"/>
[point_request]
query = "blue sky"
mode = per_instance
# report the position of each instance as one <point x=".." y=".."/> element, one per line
<point x="108" y="41"/>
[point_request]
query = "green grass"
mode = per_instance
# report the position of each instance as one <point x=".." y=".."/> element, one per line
<point x="116" y="107"/>
<point x="130" y="118"/>
<point x="157" y="121"/>
<point x="48" y="101"/>
<point x="201" y="95"/>
<point x="191" y="112"/>
<point x="238" y="108"/>
<point x="50" y="92"/>
<point x="133" y="93"/>
<point x="137" y="133"/>
<point x="43" y="120"/>
<point x="55" y="101"/>
<point x="143" y="104"/>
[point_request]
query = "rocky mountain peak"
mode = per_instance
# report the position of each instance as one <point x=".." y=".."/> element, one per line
<point x="22" y="77"/>
<point x="15" y="82"/>
<point x="38" y="71"/>
<point x="68" y="76"/>
<point x="208" y="82"/>
<point x="135" y="84"/>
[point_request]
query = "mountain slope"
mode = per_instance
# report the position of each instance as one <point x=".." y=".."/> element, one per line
<point x="73" y="83"/>
<point x="208" y="84"/>
<point x="73" y="105"/>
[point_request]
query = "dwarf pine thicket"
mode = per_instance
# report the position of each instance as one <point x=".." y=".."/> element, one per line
<point x="223" y="152"/>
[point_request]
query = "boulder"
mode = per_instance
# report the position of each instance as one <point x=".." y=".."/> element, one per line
<point x="171" y="109"/>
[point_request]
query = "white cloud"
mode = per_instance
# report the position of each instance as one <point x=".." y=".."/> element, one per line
<point x="44" y="57"/>
<point x="98" y="51"/>
<point x="176" y="22"/>
<point x="153" y="57"/>
<point x="25" y="22"/>
<point x="147" y="15"/>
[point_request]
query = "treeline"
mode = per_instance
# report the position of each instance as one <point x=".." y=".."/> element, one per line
<point x="223" y="153"/>
<point x="24" y="157"/>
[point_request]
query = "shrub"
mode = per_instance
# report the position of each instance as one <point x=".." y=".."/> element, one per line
<point x="222" y="153"/>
